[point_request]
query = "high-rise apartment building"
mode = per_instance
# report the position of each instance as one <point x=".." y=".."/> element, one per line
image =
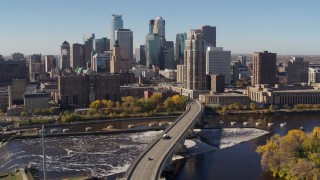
<point x="209" y="34"/>
<point x="124" y="37"/>
<point x="77" y="56"/>
<point x="50" y="62"/>
<point x="116" y="24"/>
<point x="218" y="62"/>
<point x="65" y="55"/>
<point x="17" y="57"/>
<point x="140" y="55"/>
<point x="264" y="68"/>
<point x="195" y="62"/>
<point x="179" y="48"/>
<point x="34" y="67"/>
<point x="297" y="70"/>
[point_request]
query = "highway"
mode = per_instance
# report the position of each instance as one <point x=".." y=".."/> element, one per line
<point x="148" y="165"/>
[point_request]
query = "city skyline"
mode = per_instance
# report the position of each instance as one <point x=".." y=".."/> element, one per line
<point x="286" y="27"/>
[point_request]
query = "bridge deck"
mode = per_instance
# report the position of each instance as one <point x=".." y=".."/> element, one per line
<point x="144" y="168"/>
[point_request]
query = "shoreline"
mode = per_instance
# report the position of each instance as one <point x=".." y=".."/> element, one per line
<point x="263" y="111"/>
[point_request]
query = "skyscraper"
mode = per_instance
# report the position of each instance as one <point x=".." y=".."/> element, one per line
<point x="17" y="56"/>
<point x="152" y="50"/>
<point x="297" y="70"/>
<point x="101" y="45"/>
<point x="218" y="62"/>
<point x="116" y="24"/>
<point x="50" y="62"/>
<point x="194" y="61"/>
<point x="168" y="53"/>
<point x="65" y="55"/>
<point x="159" y="28"/>
<point x="140" y="54"/>
<point x="209" y="33"/>
<point x="117" y="63"/>
<point x="88" y="47"/>
<point x="125" y="41"/>
<point x="180" y="46"/>
<point x="77" y="56"/>
<point x="34" y="67"/>
<point x="264" y="68"/>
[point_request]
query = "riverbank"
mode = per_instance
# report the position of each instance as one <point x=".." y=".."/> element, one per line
<point x="262" y="111"/>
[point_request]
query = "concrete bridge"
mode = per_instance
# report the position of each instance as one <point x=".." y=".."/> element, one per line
<point x="158" y="155"/>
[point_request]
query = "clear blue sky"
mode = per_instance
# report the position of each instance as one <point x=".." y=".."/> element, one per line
<point x="243" y="26"/>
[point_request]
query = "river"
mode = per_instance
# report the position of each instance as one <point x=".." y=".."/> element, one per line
<point x="241" y="161"/>
<point x="104" y="155"/>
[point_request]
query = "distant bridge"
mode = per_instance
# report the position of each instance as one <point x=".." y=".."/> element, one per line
<point x="150" y="163"/>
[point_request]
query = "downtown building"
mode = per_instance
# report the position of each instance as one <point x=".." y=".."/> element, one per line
<point x="34" y="67"/>
<point x="218" y="62"/>
<point x="179" y="48"/>
<point x="10" y="70"/>
<point x="117" y="62"/>
<point x="116" y="24"/>
<point x="264" y="68"/>
<point x="297" y="70"/>
<point x="77" y="56"/>
<point x="195" y="65"/>
<point x="124" y="38"/>
<point x="82" y="89"/>
<point x="50" y="62"/>
<point x="140" y="55"/>
<point x="65" y="55"/>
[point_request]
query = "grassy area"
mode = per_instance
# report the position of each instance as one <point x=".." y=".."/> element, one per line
<point x="34" y="121"/>
<point x="16" y="176"/>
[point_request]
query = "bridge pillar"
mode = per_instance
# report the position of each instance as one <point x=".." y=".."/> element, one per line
<point x="190" y="134"/>
<point x="180" y="147"/>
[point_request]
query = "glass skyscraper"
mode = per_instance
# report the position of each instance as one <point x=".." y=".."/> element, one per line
<point x="116" y="24"/>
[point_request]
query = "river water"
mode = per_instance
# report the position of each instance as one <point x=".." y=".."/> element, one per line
<point x="84" y="155"/>
<point x="241" y="161"/>
<point x="109" y="154"/>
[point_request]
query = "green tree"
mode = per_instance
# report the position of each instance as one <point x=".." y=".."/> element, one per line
<point x="23" y="113"/>
<point x="253" y="106"/>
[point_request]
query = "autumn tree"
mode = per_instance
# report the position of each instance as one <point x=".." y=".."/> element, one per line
<point x="294" y="156"/>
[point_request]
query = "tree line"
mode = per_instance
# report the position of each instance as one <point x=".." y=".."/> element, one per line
<point x="293" y="156"/>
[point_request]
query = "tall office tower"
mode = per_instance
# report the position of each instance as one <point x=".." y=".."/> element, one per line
<point x="10" y="70"/>
<point x="65" y="55"/>
<point x="195" y="62"/>
<point x="297" y="70"/>
<point x="218" y="62"/>
<point x="116" y="24"/>
<point x="168" y="53"/>
<point x="140" y="54"/>
<point x="152" y="47"/>
<point x="209" y="33"/>
<point x="34" y="67"/>
<point x="117" y="63"/>
<point x="235" y="72"/>
<point x="264" y="68"/>
<point x="243" y="60"/>
<point x="101" y="45"/>
<point x="17" y="57"/>
<point x="159" y="28"/>
<point x="88" y="36"/>
<point x="88" y="47"/>
<point x="314" y="76"/>
<point x="101" y="62"/>
<point x="180" y="46"/>
<point x="125" y="40"/>
<point x="50" y="62"/>
<point x="77" y="56"/>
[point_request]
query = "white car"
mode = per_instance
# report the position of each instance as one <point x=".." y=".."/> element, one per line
<point x="166" y="136"/>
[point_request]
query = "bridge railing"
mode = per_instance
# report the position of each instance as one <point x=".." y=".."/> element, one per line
<point x="157" y="173"/>
<point x="136" y="161"/>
